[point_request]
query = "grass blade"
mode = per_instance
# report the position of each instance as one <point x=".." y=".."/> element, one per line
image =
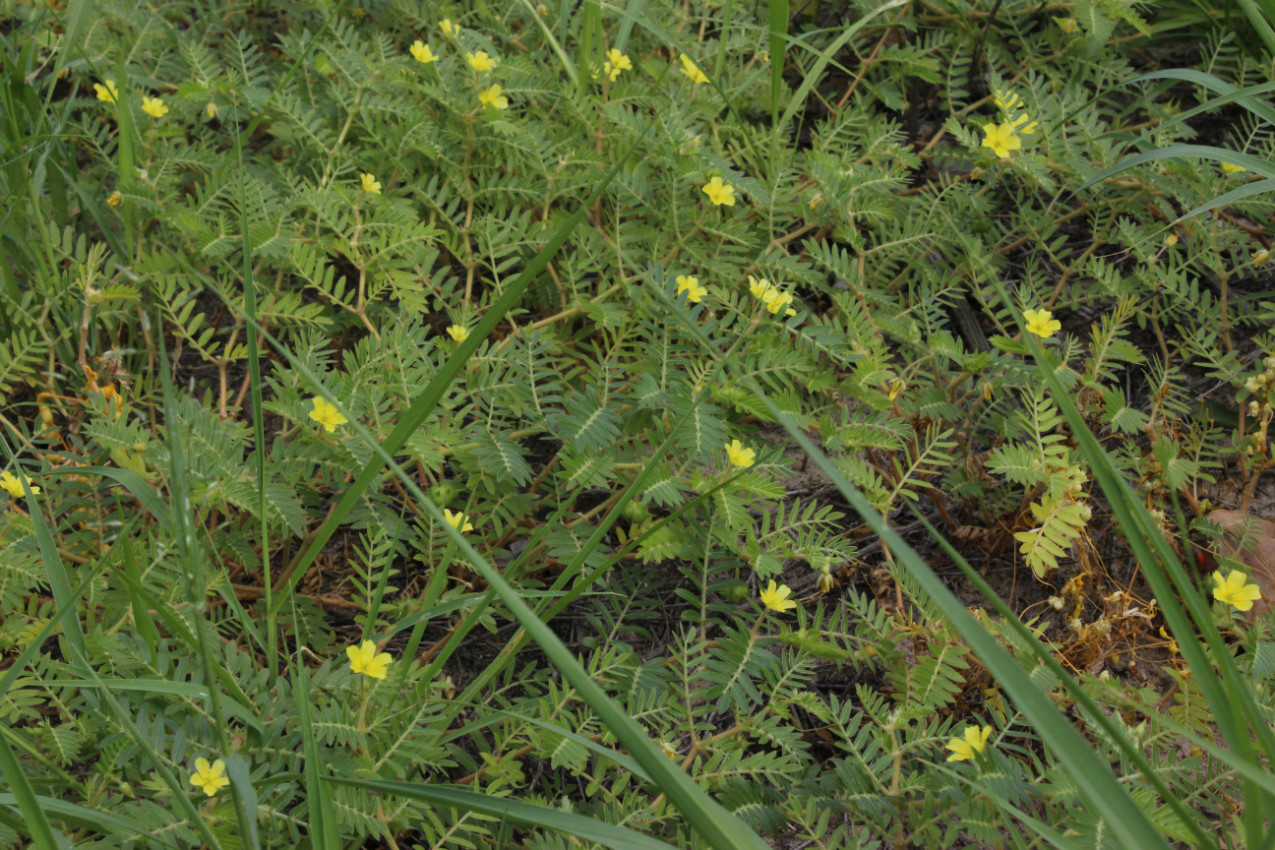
<point x="38" y="827"/>
<point x="608" y="835"/>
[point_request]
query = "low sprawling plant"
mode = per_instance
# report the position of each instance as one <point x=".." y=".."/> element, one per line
<point x="486" y="425"/>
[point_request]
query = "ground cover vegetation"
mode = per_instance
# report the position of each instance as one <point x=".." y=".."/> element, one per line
<point x="641" y="424"/>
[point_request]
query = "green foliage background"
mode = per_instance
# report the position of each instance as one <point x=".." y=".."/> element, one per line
<point x="192" y="517"/>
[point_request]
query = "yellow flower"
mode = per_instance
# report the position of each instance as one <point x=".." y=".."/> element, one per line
<point x="690" y="69"/>
<point x="480" y="61"/>
<point x="363" y="659"/>
<point x="458" y="520"/>
<point x="449" y="29"/>
<point x="779" y="301"/>
<point x="326" y="414"/>
<point x="1067" y="25"/>
<point x="775" y="597"/>
<point x="460" y="333"/>
<point x="1261" y="257"/>
<point x="210" y="778"/>
<point x="12" y="483"/>
<point x="1171" y="240"/>
<point x="493" y="97"/>
<point x="616" y="62"/>
<point x="690" y="285"/>
<point x="975" y="741"/>
<point x="1001" y="138"/>
<point x="370" y="184"/>
<point x="1234" y="590"/>
<point x="772" y="297"/>
<point x="1231" y="168"/>
<point x="720" y="193"/>
<point x="108" y="92"/>
<point x="114" y="199"/>
<point x="154" y="107"/>
<point x="211" y="109"/>
<point x="669" y="749"/>
<point x="1042" y="323"/>
<point x="760" y="289"/>
<point x="421" y="52"/>
<point x="738" y="455"/>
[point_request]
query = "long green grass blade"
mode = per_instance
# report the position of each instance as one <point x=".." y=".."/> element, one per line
<point x="1255" y="164"/>
<point x="798" y="99"/>
<point x="324" y="834"/>
<point x="87" y="818"/>
<point x="1247" y="97"/>
<point x="42" y="834"/>
<point x="191" y="558"/>
<point x="778" y="47"/>
<point x="527" y="814"/>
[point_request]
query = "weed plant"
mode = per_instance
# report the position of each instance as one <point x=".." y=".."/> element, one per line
<point x="490" y="425"/>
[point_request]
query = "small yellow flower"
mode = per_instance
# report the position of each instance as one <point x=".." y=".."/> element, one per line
<point x="1042" y="323"/>
<point x="690" y="285"/>
<point x="720" y="193"/>
<point x="370" y="184"/>
<point x="760" y="289"/>
<point x="458" y="520"/>
<point x="1067" y="25"/>
<point x="1171" y="240"/>
<point x="669" y="749"/>
<point x="493" y="97"/>
<point x="1232" y="168"/>
<point x="616" y="62"/>
<point x="114" y="199"/>
<point x="364" y="660"/>
<point x="738" y="455"/>
<point x="211" y="109"/>
<point x="326" y="414"/>
<point x="210" y="778"/>
<point x="975" y="741"/>
<point x="12" y="483"/>
<point x="460" y="333"/>
<point x="480" y="61"/>
<point x="422" y="53"/>
<point x="154" y="107"/>
<point x="449" y="29"/>
<point x="780" y="301"/>
<point x="771" y="296"/>
<point x="775" y="597"/>
<point x="108" y="92"/>
<point x="1001" y="138"/>
<point x="1261" y="257"/>
<point x="1235" y="590"/>
<point x="691" y="70"/>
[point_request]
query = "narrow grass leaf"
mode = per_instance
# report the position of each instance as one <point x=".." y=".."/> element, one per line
<point x="527" y="814"/>
<point x="41" y="832"/>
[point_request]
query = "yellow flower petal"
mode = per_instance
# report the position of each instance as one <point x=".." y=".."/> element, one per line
<point x="326" y="414"/>
<point x="422" y="53"/>
<point x="720" y="193"/>
<point x="154" y="107"/>
<point x="691" y="70"/>
<point x="739" y="456"/>
<point x="775" y="597"/>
